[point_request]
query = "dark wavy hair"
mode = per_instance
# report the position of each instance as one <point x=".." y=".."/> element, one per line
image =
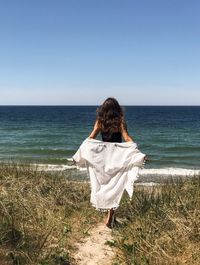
<point x="110" y="115"/>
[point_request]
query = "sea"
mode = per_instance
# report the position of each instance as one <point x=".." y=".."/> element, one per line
<point x="48" y="136"/>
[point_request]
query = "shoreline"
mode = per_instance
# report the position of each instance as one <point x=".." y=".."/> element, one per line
<point x="147" y="176"/>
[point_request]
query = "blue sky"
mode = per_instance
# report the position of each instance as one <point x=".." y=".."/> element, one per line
<point x="144" y="52"/>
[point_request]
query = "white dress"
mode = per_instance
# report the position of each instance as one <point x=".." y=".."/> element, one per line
<point x="112" y="167"/>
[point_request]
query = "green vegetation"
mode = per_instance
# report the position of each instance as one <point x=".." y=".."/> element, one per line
<point x="162" y="225"/>
<point x="42" y="215"/>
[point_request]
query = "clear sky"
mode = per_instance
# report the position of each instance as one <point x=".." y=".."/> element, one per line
<point x="143" y="52"/>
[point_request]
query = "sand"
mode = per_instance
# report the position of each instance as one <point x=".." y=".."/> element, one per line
<point x="93" y="250"/>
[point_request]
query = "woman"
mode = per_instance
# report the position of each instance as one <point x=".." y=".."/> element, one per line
<point x="111" y="124"/>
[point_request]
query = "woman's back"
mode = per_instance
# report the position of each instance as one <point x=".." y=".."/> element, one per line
<point x="115" y="137"/>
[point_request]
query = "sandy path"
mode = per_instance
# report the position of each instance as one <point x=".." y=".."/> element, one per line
<point x="93" y="251"/>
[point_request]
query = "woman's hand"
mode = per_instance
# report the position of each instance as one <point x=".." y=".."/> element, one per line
<point x="146" y="159"/>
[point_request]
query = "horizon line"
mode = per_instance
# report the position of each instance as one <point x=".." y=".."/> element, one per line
<point x="93" y="105"/>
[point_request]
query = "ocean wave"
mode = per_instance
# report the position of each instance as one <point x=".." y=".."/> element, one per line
<point x="182" y="172"/>
<point x="69" y="159"/>
<point x="53" y="167"/>
<point x="41" y="151"/>
<point x="170" y="172"/>
<point x="147" y="184"/>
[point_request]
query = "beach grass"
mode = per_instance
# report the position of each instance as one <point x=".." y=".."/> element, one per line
<point x="162" y="225"/>
<point x="44" y="214"/>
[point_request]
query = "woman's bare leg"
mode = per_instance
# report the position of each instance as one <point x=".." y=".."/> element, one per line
<point x="110" y="217"/>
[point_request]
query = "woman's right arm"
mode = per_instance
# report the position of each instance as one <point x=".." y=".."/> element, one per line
<point x="124" y="132"/>
<point x="95" y="130"/>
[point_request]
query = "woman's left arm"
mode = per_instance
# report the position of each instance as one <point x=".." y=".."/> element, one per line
<point x="124" y="132"/>
<point x="95" y="130"/>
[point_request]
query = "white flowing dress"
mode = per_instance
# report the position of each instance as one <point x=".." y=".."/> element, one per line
<point x="112" y="167"/>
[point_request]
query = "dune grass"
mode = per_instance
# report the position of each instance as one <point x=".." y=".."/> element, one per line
<point x="162" y="225"/>
<point x="42" y="215"/>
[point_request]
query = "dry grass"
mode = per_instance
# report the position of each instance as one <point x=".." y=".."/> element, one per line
<point x="41" y="216"/>
<point x="162" y="225"/>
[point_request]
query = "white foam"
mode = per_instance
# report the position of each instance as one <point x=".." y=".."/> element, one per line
<point x="70" y="159"/>
<point x="182" y="172"/>
<point x="185" y="172"/>
<point x="147" y="184"/>
<point x="51" y="167"/>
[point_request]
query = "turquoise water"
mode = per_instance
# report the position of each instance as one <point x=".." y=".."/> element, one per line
<point x="51" y="134"/>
